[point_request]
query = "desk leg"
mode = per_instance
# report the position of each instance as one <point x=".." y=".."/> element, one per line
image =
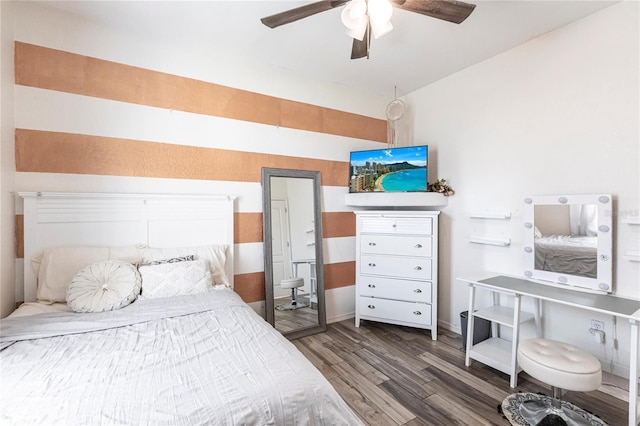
<point x="514" y="344"/>
<point x="470" y="322"/>
<point x="633" y="375"/>
<point x="537" y="317"/>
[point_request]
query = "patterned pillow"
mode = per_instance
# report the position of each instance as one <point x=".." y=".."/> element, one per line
<point x="175" y="278"/>
<point x="104" y="286"/>
<point x="172" y="260"/>
<point x="215" y="255"/>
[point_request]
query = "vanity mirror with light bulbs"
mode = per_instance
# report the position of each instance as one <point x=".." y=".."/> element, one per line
<point x="568" y="240"/>
<point x="293" y="259"/>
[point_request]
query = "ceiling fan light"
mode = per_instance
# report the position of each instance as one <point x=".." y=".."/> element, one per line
<point x="358" y="31"/>
<point x="354" y="17"/>
<point x="380" y="30"/>
<point x="353" y="13"/>
<point x="380" y="11"/>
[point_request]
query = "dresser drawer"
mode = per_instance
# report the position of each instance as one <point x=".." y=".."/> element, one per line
<point x="389" y="288"/>
<point x="395" y="310"/>
<point x="402" y="245"/>
<point x="391" y="266"/>
<point x="398" y="225"/>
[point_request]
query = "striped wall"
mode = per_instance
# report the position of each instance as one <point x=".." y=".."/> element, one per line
<point x="86" y="122"/>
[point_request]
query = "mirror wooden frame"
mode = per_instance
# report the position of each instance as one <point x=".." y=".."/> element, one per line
<point x="267" y="174"/>
<point x="603" y="282"/>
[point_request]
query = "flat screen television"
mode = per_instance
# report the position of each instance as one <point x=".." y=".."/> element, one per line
<point x="402" y="169"/>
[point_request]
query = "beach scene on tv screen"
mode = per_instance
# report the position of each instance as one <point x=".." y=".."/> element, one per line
<point x="389" y="170"/>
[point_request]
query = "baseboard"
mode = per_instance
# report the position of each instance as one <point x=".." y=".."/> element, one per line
<point x="341" y="317"/>
<point x="446" y="325"/>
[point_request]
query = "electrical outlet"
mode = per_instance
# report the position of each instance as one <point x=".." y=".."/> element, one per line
<point x="597" y="325"/>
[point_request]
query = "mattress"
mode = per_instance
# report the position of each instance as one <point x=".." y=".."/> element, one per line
<point x="194" y="359"/>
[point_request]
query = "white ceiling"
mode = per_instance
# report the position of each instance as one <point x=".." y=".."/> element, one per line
<point x="419" y="51"/>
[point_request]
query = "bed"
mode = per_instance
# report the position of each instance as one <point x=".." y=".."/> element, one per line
<point x="575" y="255"/>
<point x="177" y="353"/>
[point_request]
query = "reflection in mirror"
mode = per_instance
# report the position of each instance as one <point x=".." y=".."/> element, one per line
<point x="568" y="240"/>
<point x="294" y="279"/>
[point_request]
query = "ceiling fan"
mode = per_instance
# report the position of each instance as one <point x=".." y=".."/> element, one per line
<point x="364" y="17"/>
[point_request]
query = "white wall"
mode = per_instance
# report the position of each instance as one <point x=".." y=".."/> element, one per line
<point x="48" y="110"/>
<point x="559" y="114"/>
<point x="7" y="161"/>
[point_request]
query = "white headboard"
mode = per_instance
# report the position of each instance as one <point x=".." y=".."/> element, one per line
<point x="55" y="219"/>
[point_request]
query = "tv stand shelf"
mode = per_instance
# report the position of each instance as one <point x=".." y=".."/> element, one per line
<point x="396" y="199"/>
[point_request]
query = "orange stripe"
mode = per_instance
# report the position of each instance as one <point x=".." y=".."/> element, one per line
<point x="250" y="286"/>
<point x="52" y="69"/>
<point x="247" y="228"/>
<point x="339" y="274"/>
<point x="53" y="152"/>
<point x="338" y="224"/>
<point x="19" y="236"/>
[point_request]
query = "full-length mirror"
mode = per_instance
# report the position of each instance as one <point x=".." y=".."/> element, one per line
<point x="568" y="240"/>
<point x="293" y="264"/>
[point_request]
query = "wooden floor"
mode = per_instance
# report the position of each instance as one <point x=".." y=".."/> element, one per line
<point x="392" y="375"/>
<point x="288" y="320"/>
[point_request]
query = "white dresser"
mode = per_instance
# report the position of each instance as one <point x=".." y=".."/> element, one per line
<point x="397" y="268"/>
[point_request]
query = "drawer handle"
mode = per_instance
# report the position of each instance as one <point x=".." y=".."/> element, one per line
<point x="372" y="265"/>
<point x="418" y="268"/>
<point x="417" y="313"/>
<point x="371" y="307"/>
<point x="394" y="225"/>
<point x="418" y="245"/>
<point x="372" y="244"/>
<point x="371" y="286"/>
<point x="417" y="290"/>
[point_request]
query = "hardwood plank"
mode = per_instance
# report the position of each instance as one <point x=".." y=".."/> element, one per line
<point x="425" y="412"/>
<point x="464" y="375"/>
<point x="383" y="401"/>
<point x="459" y="413"/>
<point x="370" y="413"/>
<point x="396" y="372"/>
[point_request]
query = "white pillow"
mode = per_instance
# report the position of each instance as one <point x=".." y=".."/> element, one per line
<point x="215" y="255"/>
<point x="56" y="267"/>
<point x="175" y="278"/>
<point x="104" y="286"/>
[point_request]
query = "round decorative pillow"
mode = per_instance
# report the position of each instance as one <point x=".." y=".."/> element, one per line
<point x="104" y="286"/>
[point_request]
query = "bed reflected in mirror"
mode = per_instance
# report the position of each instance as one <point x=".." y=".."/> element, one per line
<point x="294" y="285"/>
<point x="568" y="240"/>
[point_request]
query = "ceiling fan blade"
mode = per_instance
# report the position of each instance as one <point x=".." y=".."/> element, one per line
<point x="360" y="48"/>
<point x="301" y="12"/>
<point x="447" y="10"/>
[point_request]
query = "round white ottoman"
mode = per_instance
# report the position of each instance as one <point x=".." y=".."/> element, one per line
<point x="562" y="366"/>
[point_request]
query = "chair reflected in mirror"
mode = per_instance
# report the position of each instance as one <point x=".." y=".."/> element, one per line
<point x="293" y="284"/>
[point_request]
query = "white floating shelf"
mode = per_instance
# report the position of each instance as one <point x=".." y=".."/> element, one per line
<point x="632" y="255"/>
<point x="492" y="241"/>
<point x="489" y="215"/>
<point x="631" y="220"/>
<point x="396" y="199"/>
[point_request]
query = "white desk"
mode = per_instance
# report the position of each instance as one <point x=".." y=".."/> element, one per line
<point x="606" y="304"/>
<point x="313" y="296"/>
